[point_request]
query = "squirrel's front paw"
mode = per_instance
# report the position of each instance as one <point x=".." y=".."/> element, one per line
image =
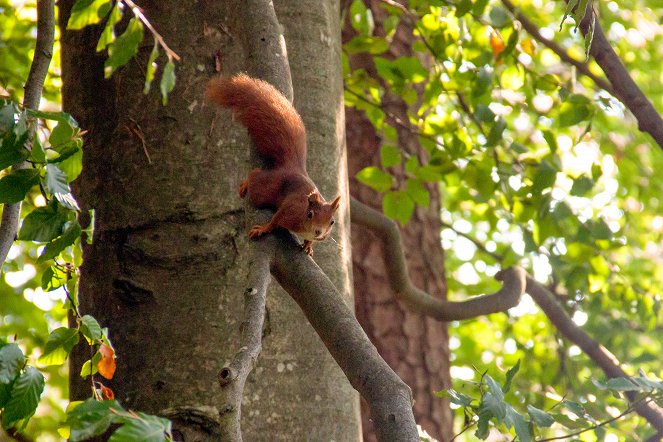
<point x="257" y="231"/>
<point x="308" y="247"/>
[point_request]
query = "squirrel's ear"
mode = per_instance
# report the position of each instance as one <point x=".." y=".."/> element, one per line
<point x="335" y="203"/>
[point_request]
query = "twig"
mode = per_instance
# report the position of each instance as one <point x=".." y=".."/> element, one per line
<point x="418" y="300"/>
<point x="138" y="12"/>
<point x="629" y="410"/>
<point x="33" y="87"/>
<point x="478" y="244"/>
<point x="232" y="378"/>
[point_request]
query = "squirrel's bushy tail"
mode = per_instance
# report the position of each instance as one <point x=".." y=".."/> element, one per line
<point x="273" y="123"/>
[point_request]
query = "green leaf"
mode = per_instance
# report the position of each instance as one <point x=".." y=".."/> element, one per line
<point x="375" y="178"/>
<point x="72" y="165"/>
<point x="518" y="422"/>
<point x="87" y="12"/>
<point x="7" y="117"/>
<point x="25" y="395"/>
<point x="398" y="205"/>
<point x="151" y="68"/>
<point x="575" y="408"/>
<point x="401" y="70"/>
<point x="509" y="376"/>
<point x="15" y="185"/>
<point x="498" y="17"/>
<point x="108" y="34"/>
<point x="61" y="117"/>
<point x="91" y="418"/>
<point x="90" y="328"/>
<point x="575" y="109"/>
<point x="37" y="154"/>
<point x="124" y="47"/>
<point x="495" y="134"/>
<point x="56" y="182"/>
<point x="366" y="44"/>
<point x="12" y="138"/>
<point x="43" y="224"/>
<point x="72" y="231"/>
<point x="62" y="133"/>
<point x="540" y="417"/>
<point x="582" y="185"/>
<point x="167" y="81"/>
<point x="60" y="343"/>
<point x="551" y="139"/>
<point x="361" y="18"/>
<point x="545" y="177"/>
<point x="456" y="397"/>
<point x="11" y="362"/>
<point x="484" y="114"/>
<point x="53" y="278"/>
<point x="90" y="366"/>
<point x="416" y="190"/>
<point x="143" y="427"/>
<point x="389" y="156"/>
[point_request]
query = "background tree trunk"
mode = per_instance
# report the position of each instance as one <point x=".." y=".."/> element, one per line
<point x="167" y="268"/>
<point x="416" y="347"/>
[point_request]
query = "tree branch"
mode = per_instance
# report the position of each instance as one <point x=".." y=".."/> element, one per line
<point x="582" y="67"/>
<point x="418" y="300"/>
<point x="259" y="32"/>
<point x="232" y="378"/>
<point x="388" y="397"/>
<point x="598" y="353"/>
<point x="630" y="94"/>
<point x="507" y="297"/>
<point x="33" y="87"/>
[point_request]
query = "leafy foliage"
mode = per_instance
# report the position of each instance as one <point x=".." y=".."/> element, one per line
<point x="40" y="155"/>
<point x="538" y="167"/>
<point x="485" y="406"/>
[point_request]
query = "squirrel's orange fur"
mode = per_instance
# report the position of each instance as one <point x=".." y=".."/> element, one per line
<point x="278" y="133"/>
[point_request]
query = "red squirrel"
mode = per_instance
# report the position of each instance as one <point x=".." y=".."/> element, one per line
<point x="279" y="135"/>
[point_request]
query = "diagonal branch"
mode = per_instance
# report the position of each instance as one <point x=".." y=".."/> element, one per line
<point x="514" y="281"/>
<point x="620" y="84"/>
<point x="418" y="300"/>
<point x="388" y="397"/>
<point x="582" y="67"/>
<point x="597" y="353"/>
<point x="33" y="87"/>
<point x="649" y="120"/>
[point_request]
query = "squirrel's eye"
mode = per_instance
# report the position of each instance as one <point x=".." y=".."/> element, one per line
<point x="310" y="214"/>
<point x="331" y="223"/>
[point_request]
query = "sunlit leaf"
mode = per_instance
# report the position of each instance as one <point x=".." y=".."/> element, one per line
<point x="60" y="343"/>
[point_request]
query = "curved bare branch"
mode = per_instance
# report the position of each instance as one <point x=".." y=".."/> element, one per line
<point x="418" y="300"/>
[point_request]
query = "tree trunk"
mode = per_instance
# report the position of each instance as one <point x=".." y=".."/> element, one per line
<point x="416" y="347"/>
<point x="167" y="269"/>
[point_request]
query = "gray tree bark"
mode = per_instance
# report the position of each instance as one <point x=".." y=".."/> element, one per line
<point x="167" y="269"/>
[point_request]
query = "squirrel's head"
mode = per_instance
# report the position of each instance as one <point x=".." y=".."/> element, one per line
<point x="319" y="218"/>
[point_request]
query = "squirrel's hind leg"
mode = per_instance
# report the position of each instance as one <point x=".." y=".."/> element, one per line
<point x="244" y="187"/>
